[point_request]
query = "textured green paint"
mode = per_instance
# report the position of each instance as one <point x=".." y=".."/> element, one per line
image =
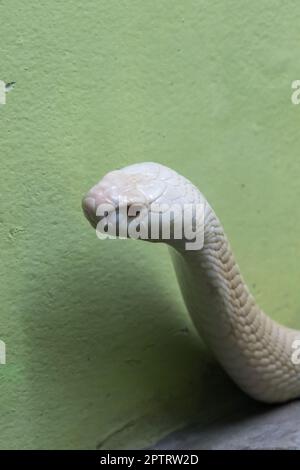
<point x="100" y="351"/>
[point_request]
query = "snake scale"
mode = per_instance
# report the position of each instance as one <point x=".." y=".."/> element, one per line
<point x="254" y="350"/>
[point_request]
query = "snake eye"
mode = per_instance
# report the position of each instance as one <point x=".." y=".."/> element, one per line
<point x="130" y="212"/>
<point x="133" y="210"/>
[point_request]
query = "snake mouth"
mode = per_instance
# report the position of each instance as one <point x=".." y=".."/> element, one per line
<point x="90" y="210"/>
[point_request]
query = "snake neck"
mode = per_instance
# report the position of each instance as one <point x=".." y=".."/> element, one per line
<point x="254" y="350"/>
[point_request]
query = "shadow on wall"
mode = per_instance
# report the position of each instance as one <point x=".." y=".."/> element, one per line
<point x="114" y="359"/>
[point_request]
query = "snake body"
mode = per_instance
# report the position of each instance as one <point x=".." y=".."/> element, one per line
<point x="254" y="350"/>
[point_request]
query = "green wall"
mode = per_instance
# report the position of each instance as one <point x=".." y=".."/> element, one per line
<point x="100" y="351"/>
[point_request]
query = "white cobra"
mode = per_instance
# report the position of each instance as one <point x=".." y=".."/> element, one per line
<point x="257" y="353"/>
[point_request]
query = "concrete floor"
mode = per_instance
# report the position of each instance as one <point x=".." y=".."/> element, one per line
<point x="256" y="427"/>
